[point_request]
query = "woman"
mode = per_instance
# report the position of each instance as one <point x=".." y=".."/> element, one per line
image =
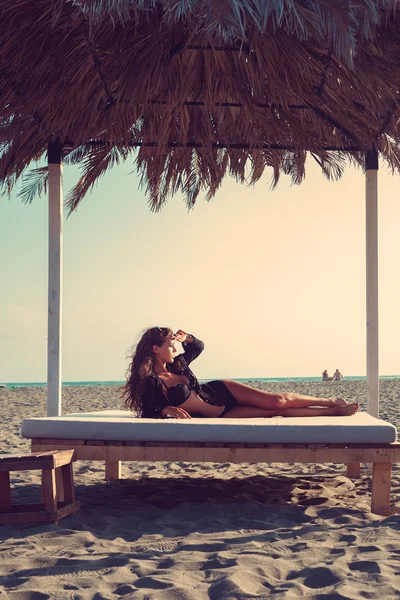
<point x="161" y="384"/>
<point x="325" y="376"/>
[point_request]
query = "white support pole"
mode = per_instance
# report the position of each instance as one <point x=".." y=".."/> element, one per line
<point x="55" y="280"/>
<point x="371" y="223"/>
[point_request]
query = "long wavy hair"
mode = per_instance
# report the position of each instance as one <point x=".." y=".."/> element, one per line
<point x="141" y="367"/>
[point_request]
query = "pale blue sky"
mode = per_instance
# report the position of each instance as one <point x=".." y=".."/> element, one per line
<point x="272" y="281"/>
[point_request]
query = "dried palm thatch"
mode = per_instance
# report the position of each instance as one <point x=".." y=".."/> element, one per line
<point x="194" y="89"/>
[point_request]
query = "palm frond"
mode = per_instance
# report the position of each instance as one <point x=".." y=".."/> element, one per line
<point x="35" y="184"/>
<point x="332" y="164"/>
<point x="200" y="88"/>
<point x="95" y="163"/>
<point x="76" y="155"/>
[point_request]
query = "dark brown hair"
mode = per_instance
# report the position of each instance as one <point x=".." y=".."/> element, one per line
<point x="141" y="367"/>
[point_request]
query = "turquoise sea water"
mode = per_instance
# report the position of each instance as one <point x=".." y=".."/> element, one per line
<point x="242" y="379"/>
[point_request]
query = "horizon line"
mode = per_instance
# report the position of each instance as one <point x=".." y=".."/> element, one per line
<point x="117" y="381"/>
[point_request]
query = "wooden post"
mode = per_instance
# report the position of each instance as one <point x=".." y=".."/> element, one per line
<point x="49" y="491"/>
<point x="54" y="156"/>
<point x="380" y="496"/>
<point x="371" y="222"/>
<point x="354" y="470"/>
<point x="5" y="490"/>
<point x="113" y="469"/>
<point x="68" y="483"/>
<point x="59" y="484"/>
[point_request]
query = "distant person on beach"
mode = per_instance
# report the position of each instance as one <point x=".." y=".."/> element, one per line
<point x="325" y="376"/>
<point x="337" y="376"/>
<point x="160" y="384"/>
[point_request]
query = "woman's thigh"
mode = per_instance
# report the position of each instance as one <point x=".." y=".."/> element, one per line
<point x="249" y="396"/>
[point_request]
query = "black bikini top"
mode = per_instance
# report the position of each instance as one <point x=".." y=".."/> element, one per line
<point x="176" y="394"/>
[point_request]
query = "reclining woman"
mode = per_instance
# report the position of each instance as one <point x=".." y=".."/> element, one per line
<point x="160" y="383"/>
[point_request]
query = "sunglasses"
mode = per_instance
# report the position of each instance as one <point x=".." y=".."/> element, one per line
<point x="163" y="331"/>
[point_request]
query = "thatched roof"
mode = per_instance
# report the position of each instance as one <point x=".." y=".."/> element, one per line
<point x="193" y="89"/>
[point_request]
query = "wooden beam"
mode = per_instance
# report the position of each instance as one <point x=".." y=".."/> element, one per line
<point x="230" y="453"/>
<point x="232" y="145"/>
<point x="230" y="104"/>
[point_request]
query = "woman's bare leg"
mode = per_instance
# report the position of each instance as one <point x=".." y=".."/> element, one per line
<point x="248" y="412"/>
<point x="250" y="396"/>
<point x="301" y="400"/>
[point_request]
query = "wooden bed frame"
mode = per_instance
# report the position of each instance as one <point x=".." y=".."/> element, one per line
<point x="113" y="452"/>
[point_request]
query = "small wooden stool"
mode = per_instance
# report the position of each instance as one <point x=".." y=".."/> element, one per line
<point x="58" y="492"/>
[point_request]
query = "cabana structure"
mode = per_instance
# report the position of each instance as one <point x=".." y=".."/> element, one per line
<point x="193" y="90"/>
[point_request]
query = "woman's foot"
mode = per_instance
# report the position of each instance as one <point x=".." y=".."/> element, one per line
<point x="346" y="410"/>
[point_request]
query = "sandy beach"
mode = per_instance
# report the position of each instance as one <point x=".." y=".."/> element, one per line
<point x="184" y="531"/>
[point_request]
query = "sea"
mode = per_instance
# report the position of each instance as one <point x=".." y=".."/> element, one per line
<point x="242" y="379"/>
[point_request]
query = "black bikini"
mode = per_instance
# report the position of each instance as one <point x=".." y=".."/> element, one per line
<point x="215" y="393"/>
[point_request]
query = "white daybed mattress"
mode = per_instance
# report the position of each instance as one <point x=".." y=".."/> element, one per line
<point x="121" y="425"/>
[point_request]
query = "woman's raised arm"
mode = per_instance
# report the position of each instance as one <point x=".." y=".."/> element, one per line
<point x="192" y="347"/>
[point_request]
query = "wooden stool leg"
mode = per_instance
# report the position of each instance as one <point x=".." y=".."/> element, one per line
<point x="49" y="489"/>
<point x="68" y="482"/>
<point x="5" y="490"/>
<point x="113" y="469"/>
<point x="354" y="470"/>
<point x="59" y="484"/>
<point x="380" y="497"/>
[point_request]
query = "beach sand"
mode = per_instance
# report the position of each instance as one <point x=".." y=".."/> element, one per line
<point x="185" y="531"/>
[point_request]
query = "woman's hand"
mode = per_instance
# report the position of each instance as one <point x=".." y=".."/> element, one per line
<point x="180" y="336"/>
<point x="175" y="412"/>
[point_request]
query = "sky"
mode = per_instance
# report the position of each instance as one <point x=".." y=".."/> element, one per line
<point x="273" y="281"/>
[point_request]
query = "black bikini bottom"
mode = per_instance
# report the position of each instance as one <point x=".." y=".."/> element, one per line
<point x="219" y="395"/>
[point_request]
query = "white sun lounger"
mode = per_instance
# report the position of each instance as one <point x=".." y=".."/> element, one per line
<point x="116" y="435"/>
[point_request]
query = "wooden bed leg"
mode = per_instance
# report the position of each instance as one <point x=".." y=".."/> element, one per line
<point x="354" y="470"/>
<point x="5" y="490"/>
<point x="113" y="469"/>
<point x="380" y="496"/>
